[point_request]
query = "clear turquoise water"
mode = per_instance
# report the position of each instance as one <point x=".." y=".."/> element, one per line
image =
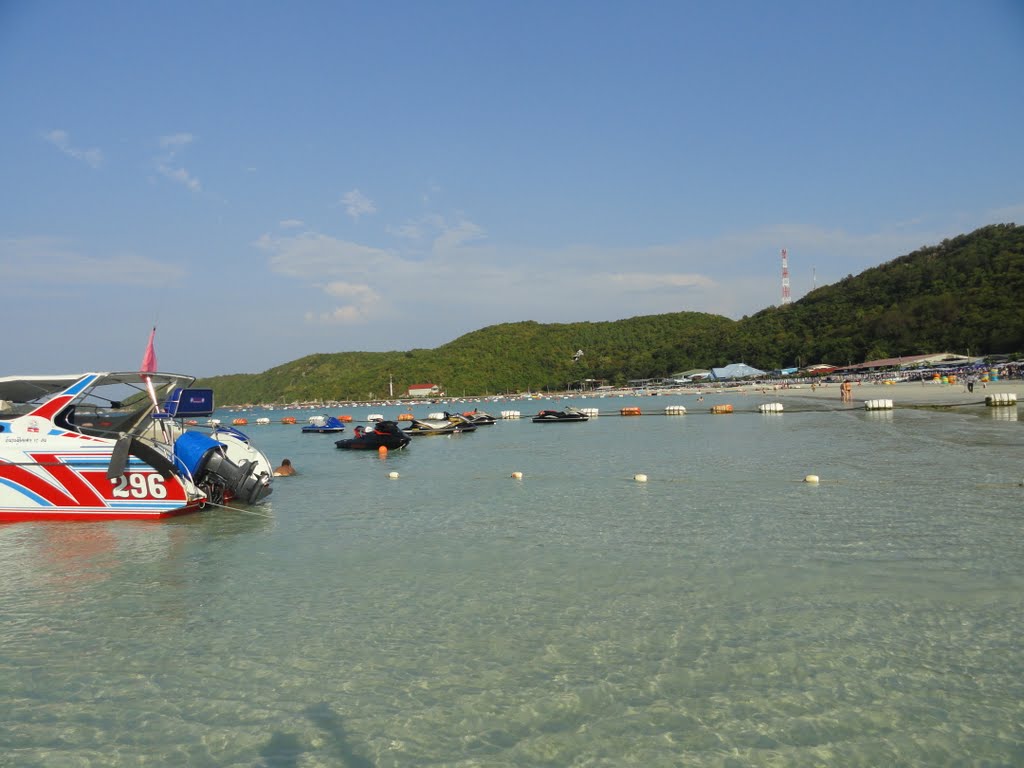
<point x="722" y="614"/>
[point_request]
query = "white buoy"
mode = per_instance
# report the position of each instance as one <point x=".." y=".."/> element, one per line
<point x="641" y="478"/>
<point x="813" y="479"/>
<point x="517" y="475"/>
<point x="393" y="475"/>
<point x="1001" y="399"/>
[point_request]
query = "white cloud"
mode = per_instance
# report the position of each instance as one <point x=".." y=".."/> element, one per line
<point x="347" y="315"/>
<point x="180" y="175"/>
<point x="61" y="140"/>
<point x="641" y="282"/>
<point x="167" y="164"/>
<point x="176" y="140"/>
<point x="455" y="236"/>
<point x="357" y="204"/>
<point x="408" y="231"/>
<point x="317" y="257"/>
<point x="359" y="292"/>
<point x="444" y="236"/>
<point x="54" y="261"/>
<point x="362" y="303"/>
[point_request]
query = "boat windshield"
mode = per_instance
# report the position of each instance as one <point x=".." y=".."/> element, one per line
<point x="121" y="403"/>
<point x="117" y="403"/>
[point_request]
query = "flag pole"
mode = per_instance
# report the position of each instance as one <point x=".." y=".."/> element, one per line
<point x="148" y="366"/>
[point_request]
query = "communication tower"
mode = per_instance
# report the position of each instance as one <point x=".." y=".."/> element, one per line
<point x="786" y="298"/>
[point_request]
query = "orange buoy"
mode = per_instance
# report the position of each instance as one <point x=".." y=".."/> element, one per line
<point x="239" y="422"/>
<point x="287" y="419"/>
<point x="382" y="450"/>
<point x="721" y="408"/>
<point x="632" y="411"/>
<point x="345" y="417"/>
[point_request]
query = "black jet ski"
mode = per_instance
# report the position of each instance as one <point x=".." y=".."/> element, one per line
<point x="558" y="417"/>
<point x="385" y="434"/>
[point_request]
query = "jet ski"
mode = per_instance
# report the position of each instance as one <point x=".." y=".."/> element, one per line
<point x="558" y="417"/>
<point x="385" y="434"/>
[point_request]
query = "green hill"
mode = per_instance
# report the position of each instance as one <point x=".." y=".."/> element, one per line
<point x="965" y="294"/>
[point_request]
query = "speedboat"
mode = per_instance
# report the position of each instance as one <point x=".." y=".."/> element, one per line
<point x="386" y="434"/>
<point x="323" y="425"/>
<point x="108" y="446"/>
<point x="558" y="417"/>
<point x="448" y="424"/>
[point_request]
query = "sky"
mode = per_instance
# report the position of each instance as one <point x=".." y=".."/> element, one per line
<point x="262" y="181"/>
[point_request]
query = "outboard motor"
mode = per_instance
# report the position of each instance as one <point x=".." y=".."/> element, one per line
<point x="206" y="461"/>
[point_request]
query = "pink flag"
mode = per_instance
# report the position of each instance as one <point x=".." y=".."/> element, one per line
<point x="149" y="359"/>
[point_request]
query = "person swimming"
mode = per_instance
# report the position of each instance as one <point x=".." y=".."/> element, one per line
<point x="285" y="469"/>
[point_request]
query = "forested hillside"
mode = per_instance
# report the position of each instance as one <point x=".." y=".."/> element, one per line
<point x="965" y="294"/>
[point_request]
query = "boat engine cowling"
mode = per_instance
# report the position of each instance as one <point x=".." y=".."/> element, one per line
<point x="206" y="461"/>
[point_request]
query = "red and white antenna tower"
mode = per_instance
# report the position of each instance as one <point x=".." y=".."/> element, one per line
<point x="786" y="298"/>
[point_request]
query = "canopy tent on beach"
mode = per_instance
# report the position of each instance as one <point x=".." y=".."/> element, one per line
<point x="735" y="371"/>
<point x="913" y="361"/>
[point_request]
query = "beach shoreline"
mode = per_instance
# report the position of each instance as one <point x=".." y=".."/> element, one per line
<point x="903" y="394"/>
<point x="916" y="393"/>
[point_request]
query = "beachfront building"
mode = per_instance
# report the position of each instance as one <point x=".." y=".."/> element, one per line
<point x="587" y="385"/>
<point x="694" y="374"/>
<point x="641" y="384"/>
<point x="820" y="369"/>
<point x="424" y="390"/>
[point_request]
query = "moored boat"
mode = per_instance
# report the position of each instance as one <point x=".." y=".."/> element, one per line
<point x="104" y="446"/>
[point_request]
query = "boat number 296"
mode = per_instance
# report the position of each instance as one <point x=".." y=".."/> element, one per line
<point x="139" y="485"/>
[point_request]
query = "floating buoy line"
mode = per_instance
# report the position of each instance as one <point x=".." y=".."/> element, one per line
<point x="1004" y="402"/>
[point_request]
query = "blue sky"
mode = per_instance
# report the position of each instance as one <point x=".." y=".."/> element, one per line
<point x="268" y="180"/>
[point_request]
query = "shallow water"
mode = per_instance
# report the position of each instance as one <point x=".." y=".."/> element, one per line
<point x="722" y="614"/>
